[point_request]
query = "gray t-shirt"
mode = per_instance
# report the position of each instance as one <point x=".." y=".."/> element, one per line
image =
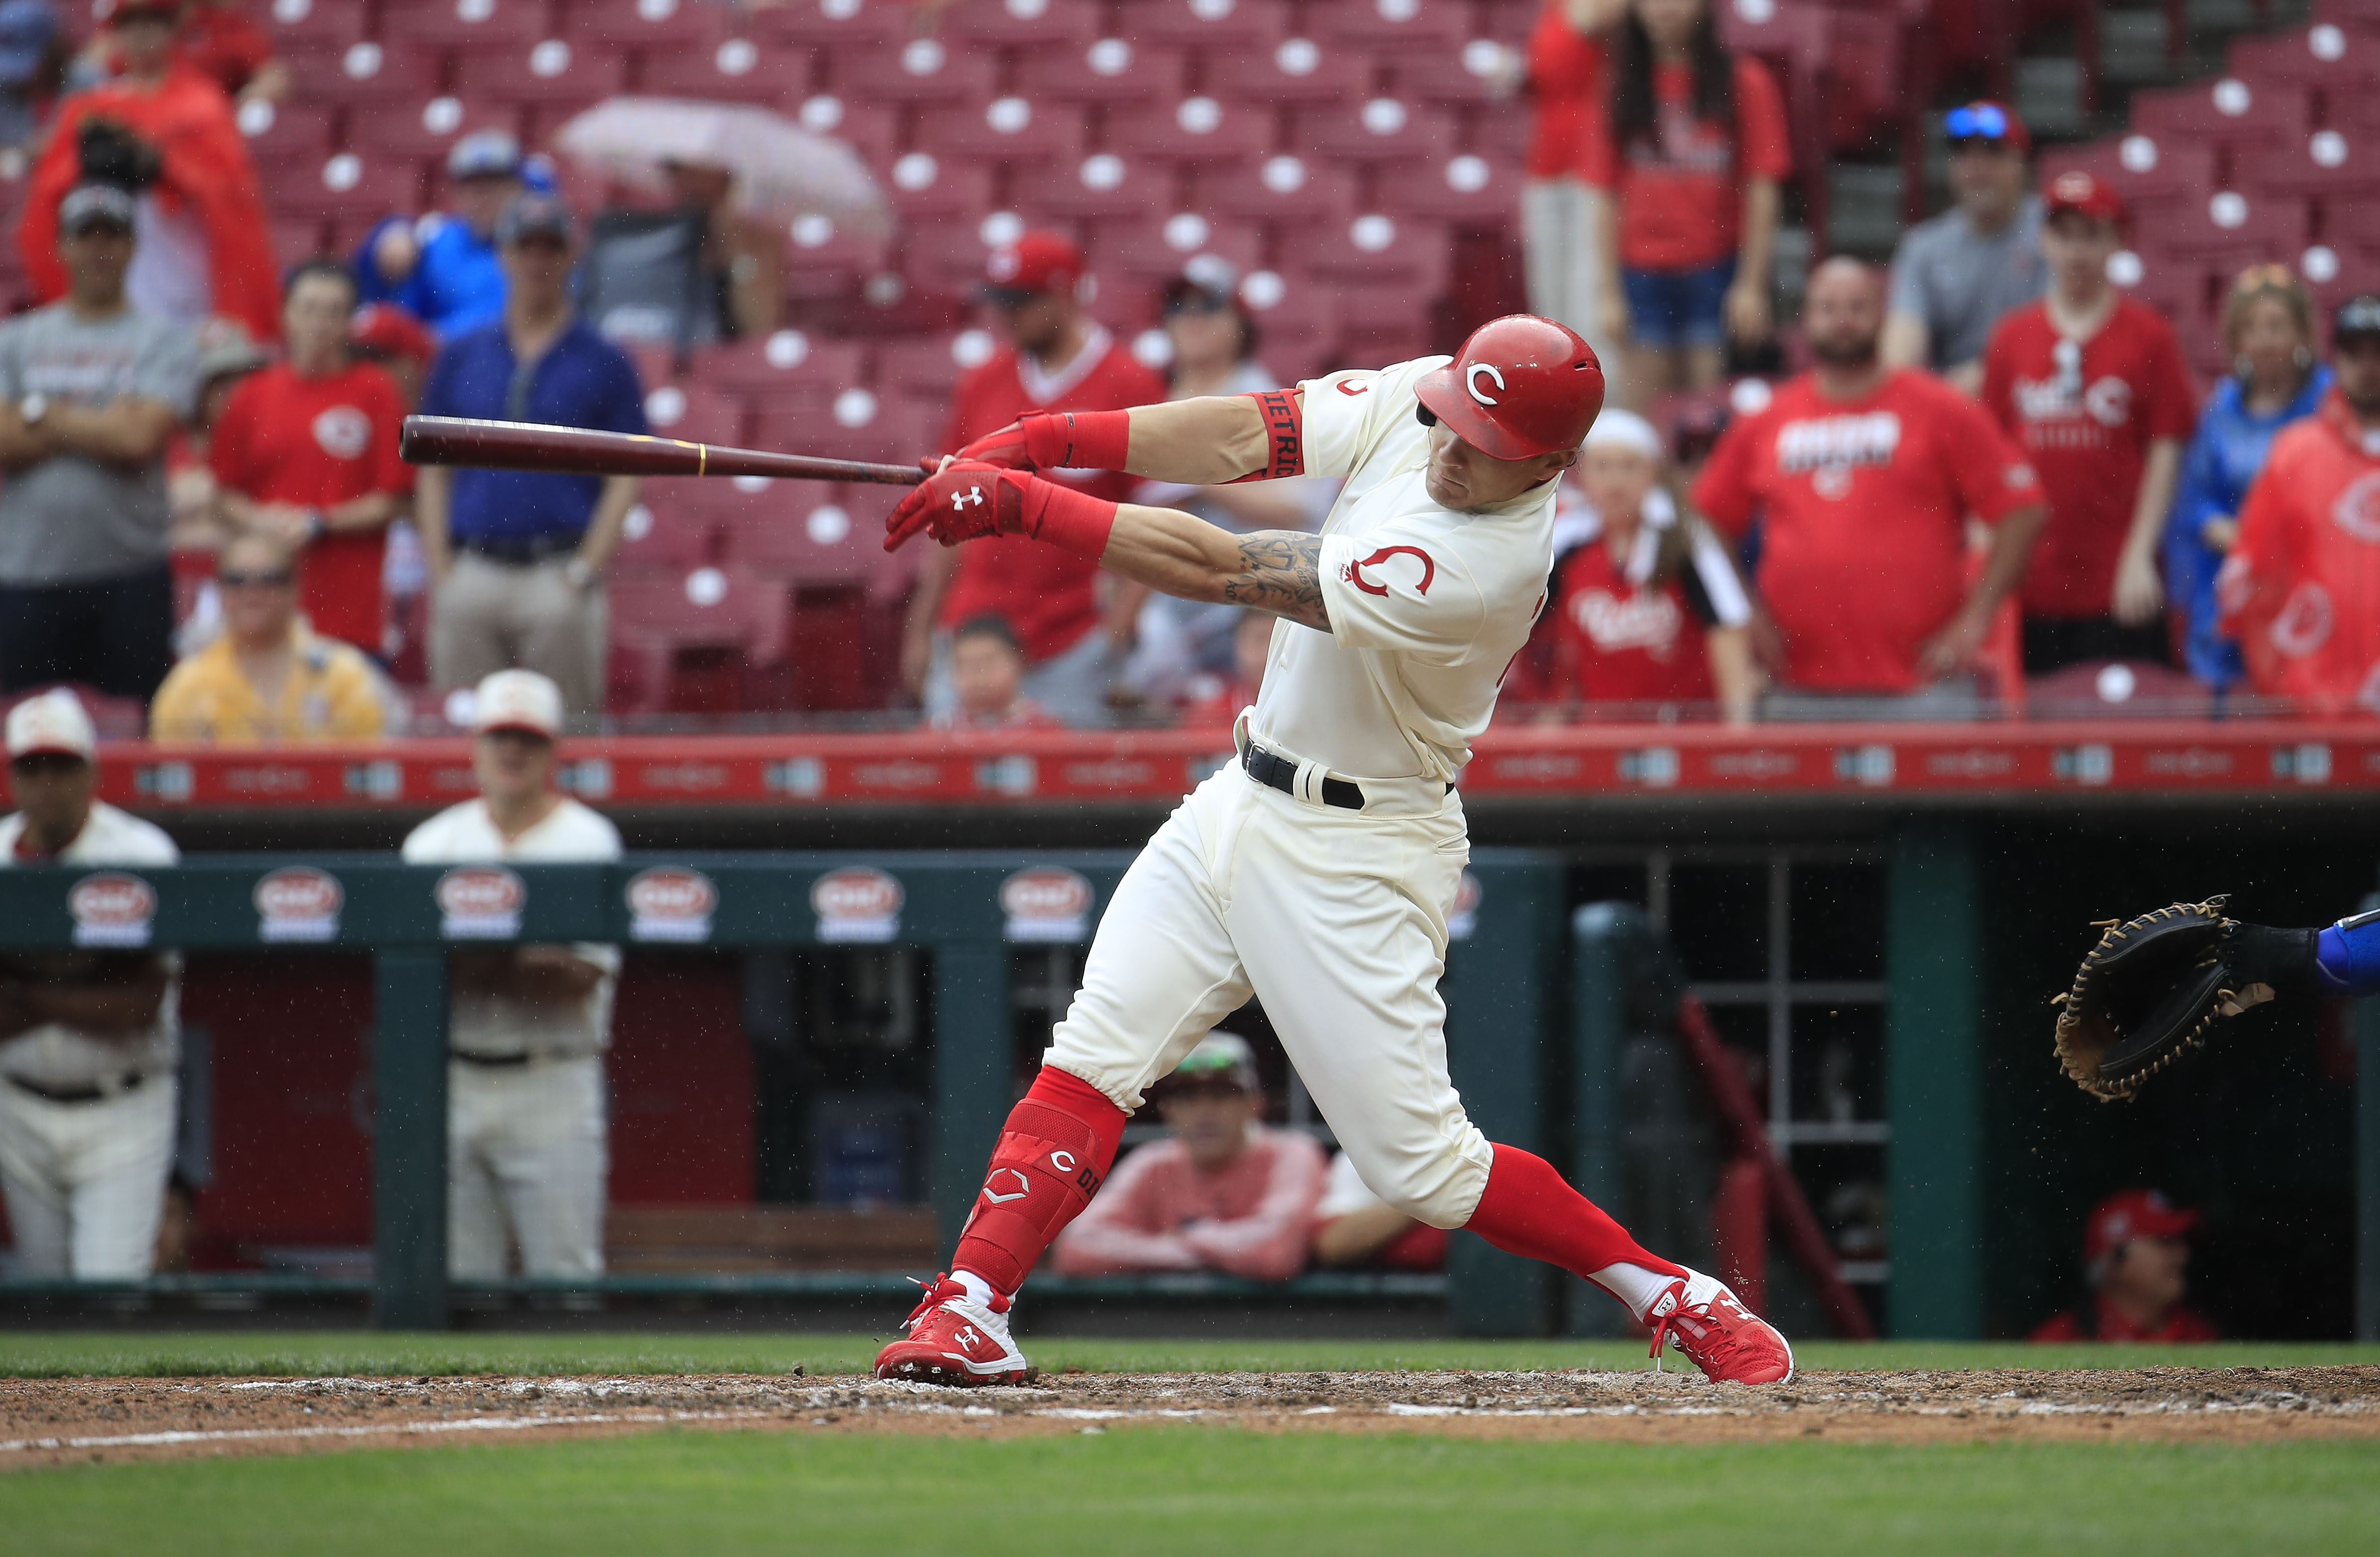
<point x="69" y="517"/>
<point x="1960" y="283"/>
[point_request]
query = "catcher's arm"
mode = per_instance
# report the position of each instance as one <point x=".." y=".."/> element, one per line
<point x="2155" y="987"/>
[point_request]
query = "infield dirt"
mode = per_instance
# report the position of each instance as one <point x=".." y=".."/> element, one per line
<point x="55" y="1421"/>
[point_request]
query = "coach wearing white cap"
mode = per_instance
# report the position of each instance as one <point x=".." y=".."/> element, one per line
<point x="526" y="1136"/>
<point x="87" y="1039"/>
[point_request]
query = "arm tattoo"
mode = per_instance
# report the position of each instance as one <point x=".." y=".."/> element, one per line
<point x="1281" y="571"/>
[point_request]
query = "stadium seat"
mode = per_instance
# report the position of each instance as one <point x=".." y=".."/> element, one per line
<point x="787" y="361"/>
<point x="862" y="424"/>
<point x="923" y="185"/>
<point x="1282" y="189"/>
<point x="1299" y="70"/>
<point x="466" y="24"/>
<point x="1102" y="185"/>
<point x="808" y="532"/>
<point x="824" y="261"/>
<point x="922" y="70"/>
<point x="2329" y="163"/>
<point x="1424" y="79"/>
<point x="1106" y="70"/>
<point x="1207" y="24"/>
<point x="943" y="257"/>
<point x="1464" y="187"/>
<point x="1139" y="257"/>
<point x="347" y="184"/>
<point x="930" y="365"/>
<point x="1296" y="318"/>
<point x="2326" y="56"/>
<point x="734" y="70"/>
<point x="869" y="129"/>
<point x="366" y="75"/>
<point x="696" y="413"/>
<point x="2229" y="111"/>
<point x="659" y="538"/>
<point x="1432" y="28"/>
<point x="426" y="131"/>
<point x="838" y="24"/>
<point x="724" y="610"/>
<point x="296" y="238"/>
<point x="2227" y="229"/>
<point x="1012" y="23"/>
<point x="550" y="71"/>
<point x="339" y="22"/>
<point x="1007" y="130"/>
<point x="285" y="135"/>
<point x="648" y="25"/>
<point x="1377" y="247"/>
<point x="1380" y="130"/>
<point x="2161" y="165"/>
<point x="1195" y="129"/>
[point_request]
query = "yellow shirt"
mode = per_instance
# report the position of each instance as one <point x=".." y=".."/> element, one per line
<point x="331" y="693"/>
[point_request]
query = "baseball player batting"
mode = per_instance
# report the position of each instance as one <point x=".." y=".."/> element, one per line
<point x="1317" y="873"/>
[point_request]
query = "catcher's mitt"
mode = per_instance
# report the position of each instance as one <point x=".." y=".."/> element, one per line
<point x="2154" y="987"/>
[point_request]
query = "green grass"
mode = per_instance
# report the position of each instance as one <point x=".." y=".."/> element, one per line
<point x="67" y="1353"/>
<point x="1158" y="1490"/>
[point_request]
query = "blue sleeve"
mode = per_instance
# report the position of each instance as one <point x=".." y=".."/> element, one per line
<point x="2200" y="492"/>
<point x="438" y="386"/>
<point x="369" y="287"/>
<point x="2348" y="956"/>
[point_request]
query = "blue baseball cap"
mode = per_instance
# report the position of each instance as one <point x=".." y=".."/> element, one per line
<point x="484" y="153"/>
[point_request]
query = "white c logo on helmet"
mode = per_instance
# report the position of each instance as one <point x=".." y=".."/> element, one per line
<point x="1471" y="380"/>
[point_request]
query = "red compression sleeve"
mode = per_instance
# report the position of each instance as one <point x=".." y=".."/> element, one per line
<point x="1284" y="418"/>
<point x="1531" y="1210"/>
<point x="1053" y="1153"/>
<point x="1077" y="440"/>
<point x="1064" y="517"/>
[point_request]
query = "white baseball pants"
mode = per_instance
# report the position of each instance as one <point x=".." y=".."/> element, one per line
<point x="527" y="1151"/>
<point x="86" y="1182"/>
<point x="1336" y="919"/>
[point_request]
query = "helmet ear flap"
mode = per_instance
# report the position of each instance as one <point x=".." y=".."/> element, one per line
<point x="1424" y="415"/>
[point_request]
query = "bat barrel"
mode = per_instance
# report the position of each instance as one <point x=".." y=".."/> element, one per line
<point x="520" y="445"/>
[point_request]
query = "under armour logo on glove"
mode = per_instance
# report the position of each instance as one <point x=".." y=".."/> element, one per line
<point x="959" y="499"/>
<point x="963" y="501"/>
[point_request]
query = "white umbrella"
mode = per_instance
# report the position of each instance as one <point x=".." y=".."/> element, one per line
<point x="781" y="170"/>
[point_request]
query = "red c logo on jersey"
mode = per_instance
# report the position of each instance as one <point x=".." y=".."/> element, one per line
<point x="1354" y="572"/>
<point x="1354" y="386"/>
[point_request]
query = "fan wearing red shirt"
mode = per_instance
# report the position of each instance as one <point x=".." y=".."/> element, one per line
<point x="2300" y="589"/>
<point x="2092" y="385"/>
<point x="306" y="451"/>
<point x="1057" y="360"/>
<point x="1648" y="610"/>
<point x="1697" y="147"/>
<point x="1863" y="478"/>
<point x="2136" y="1253"/>
<point x="1560" y="213"/>
<point x="222" y="41"/>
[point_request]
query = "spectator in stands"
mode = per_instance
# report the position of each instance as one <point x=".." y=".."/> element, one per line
<point x="1214" y="343"/>
<point x="386" y="335"/>
<point x="268" y="678"/>
<point x="1353" y="1227"/>
<point x="219" y="40"/>
<point x="1696" y="152"/>
<point x="226" y="356"/>
<point x="526" y="1136"/>
<point x="1954" y="277"/>
<point x="90" y="390"/>
<point x="517" y="558"/>
<point x="446" y="269"/>
<point x="2276" y="378"/>
<point x="306" y="452"/>
<point x="2091" y="384"/>
<point x="165" y="133"/>
<point x="1649" y="612"/>
<point x="1225" y="1192"/>
<point x="29" y="68"/>
<point x="1561" y="214"/>
<point x="1219" y="700"/>
<point x="2136" y="1255"/>
<point x="1863" y="476"/>
<point x="2300" y="589"/>
<point x="700" y="273"/>
<point x="986" y="680"/>
<point x="1057" y="359"/>
<point x="89" y="1039"/>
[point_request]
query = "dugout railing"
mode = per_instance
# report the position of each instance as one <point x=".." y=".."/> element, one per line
<point x="966" y="910"/>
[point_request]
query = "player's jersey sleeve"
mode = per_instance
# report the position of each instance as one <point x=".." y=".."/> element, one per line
<point x="1348" y="416"/>
<point x="1405" y="590"/>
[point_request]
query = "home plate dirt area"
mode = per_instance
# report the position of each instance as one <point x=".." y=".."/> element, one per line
<point x="76" y="1420"/>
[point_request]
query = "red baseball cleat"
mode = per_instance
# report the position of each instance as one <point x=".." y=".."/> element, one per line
<point x="1727" y="1341"/>
<point x="953" y="1339"/>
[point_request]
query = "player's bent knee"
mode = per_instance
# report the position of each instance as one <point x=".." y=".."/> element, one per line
<point x="1442" y="1188"/>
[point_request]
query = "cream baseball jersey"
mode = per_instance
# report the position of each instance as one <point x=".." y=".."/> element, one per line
<point x="54" y="1054"/>
<point x="1428" y="606"/>
<point x="494" y="1024"/>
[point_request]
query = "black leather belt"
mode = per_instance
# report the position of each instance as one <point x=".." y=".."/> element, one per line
<point x="1280" y="773"/>
<point x="76" y="1094"/>
<point x="488" y="1059"/>
<point x="526" y="553"/>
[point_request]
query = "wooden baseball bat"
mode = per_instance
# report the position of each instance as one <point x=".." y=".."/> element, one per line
<point x="524" y="445"/>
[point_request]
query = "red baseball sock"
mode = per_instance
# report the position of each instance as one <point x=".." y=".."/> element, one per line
<point x="1053" y="1152"/>
<point x="1529" y="1209"/>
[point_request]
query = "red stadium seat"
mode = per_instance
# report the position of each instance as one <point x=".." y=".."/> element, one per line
<point x="869" y="129"/>
<point x="466" y="24"/>
<point x="1464" y="187"/>
<point x="1299" y="70"/>
<point x="2227" y="229"/>
<point x="2229" y="112"/>
<point x="1377" y="247"/>
<point x="1207" y="24"/>
<point x="825" y="262"/>
<point x="922" y="70"/>
<point x="1434" y="29"/>
<point x="930" y="365"/>
<point x="1038" y="23"/>
<point x="1429" y="80"/>
<point x="2326" y="56"/>
<point x="1195" y="129"/>
<point x="1297" y="319"/>
<point x="943" y="257"/>
<point x="1109" y="71"/>
<point x="315" y="21"/>
<point x="648" y="25"/>
<point x="695" y="413"/>
<point x="2329" y="163"/>
<point x="861" y="424"/>
<point x="838" y="24"/>
<point x="787" y="362"/>
<point x="2163" y="165"/>
<point x="734" y="70"/>
<point x="1382" y="130"/>
<point x="1006" y="129"/>
<point x="1103" y="185"/>
<point x="285" y="135"/>
<point x="426" y="131"/>
<point x="551" y="70"/>
<point x="296" y="238"/>
<point x="923" y="185"/>
<point x="1281" y="189"/>
<point x="728" y="611"/>
<point x="811" y="533"/>
<point x="660" y="538"/>
<point x="350" y="184"/>
<point x="366" y="75"/>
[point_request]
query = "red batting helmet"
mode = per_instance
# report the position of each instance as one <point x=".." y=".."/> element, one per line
<point x="1521" y="386"/>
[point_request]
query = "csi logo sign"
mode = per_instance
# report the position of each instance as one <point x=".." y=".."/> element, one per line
<point x="670" y="903"/>
<point x="481" y="902"/>
<point x="298" y="903"/>
<point x="1046" y="903"/>
<point x="857" y="903"/>
<point x="112" y="909"/>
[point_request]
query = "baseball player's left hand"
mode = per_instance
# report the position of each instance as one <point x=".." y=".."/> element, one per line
<point x="964" y="500"/>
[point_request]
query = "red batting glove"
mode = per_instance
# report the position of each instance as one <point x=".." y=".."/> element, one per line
<point x="1057" y="441"/>
<point x="968" y="500"/>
